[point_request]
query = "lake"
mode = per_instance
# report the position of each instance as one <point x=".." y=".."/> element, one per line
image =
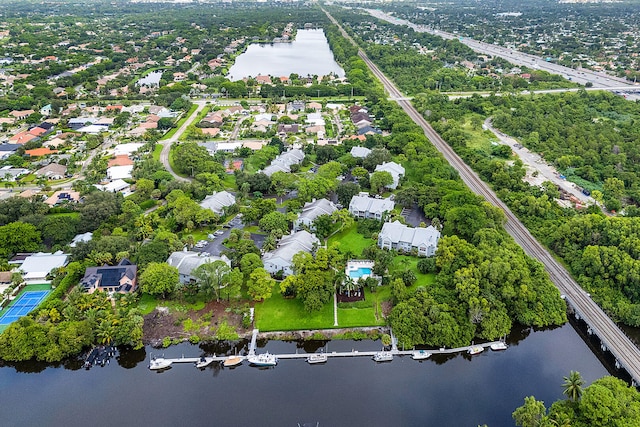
<point x="450" y="390"/>
<point x="308" y="54"/>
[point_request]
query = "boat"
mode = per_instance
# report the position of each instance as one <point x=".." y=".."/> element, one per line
<point x="158" y="363"/>
<point x="317" y="358"/>
<point x="420" y="355"/>
<point x="476" y="349"/>
<point x="204" y="361"/>
<point x="383" y="356"/>
<point x="264" y="359"/>
<point x="500" y="345"/>
<point x="232" y="361"/>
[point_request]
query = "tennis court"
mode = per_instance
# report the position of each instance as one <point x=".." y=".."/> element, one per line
<point x="23" y="306"/>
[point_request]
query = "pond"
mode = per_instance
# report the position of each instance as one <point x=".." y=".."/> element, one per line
<point x="308" y="54"/>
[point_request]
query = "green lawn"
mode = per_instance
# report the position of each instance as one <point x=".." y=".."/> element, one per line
<point x="479" y="139"/>
<point x="280" y="314"/>
<point x="156" y="152"/>
<point x="148" y="303"/>
<point x="405" y="262"/>
<point x="66" y="215"/>
<point x="351" y="241"/>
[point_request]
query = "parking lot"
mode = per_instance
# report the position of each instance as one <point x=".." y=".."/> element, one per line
<point x="213" y="246"/>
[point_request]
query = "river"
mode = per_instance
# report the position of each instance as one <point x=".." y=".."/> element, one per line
<point x="450" y="391"/>
<point x="308" y="54"/>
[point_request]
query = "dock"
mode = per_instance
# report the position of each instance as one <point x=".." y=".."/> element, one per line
<point x="353" y="353"/>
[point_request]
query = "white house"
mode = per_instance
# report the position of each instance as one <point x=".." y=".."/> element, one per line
<point x="281" y="259"/>
<point x="119" y="172"/>
<point x="363" y="206"/>
<point x="311" y="211"/>
<point x="218" y="201"/>
<point x="36" y="267"/>
<point x="187" y="261"/>
<point x="116" y="186"/>
<point x="360" y="152"/>
<point x="127" y="149"/>
<point x="284" y="161"/>
<point x="395" y="235"/>
<point x="396" y="171"/>
<point x="81" y="238"/>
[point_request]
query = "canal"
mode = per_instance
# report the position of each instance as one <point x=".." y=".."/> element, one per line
<point x="454" y="390"/>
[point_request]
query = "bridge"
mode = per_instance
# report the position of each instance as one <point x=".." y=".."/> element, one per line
<point x="626" y="353"/>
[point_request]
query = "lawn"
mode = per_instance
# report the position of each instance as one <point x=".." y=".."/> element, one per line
<point x="280" y="314"/>
<point x="75" y="215"/>
<point x="148" y="303"/>
<point x="351" y="241"/>
<point x="404" y="262"/>
<point x="156" y="152"/>
<point x="479" y="139"/>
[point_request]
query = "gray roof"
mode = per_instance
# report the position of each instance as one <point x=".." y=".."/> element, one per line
<point x="40" y="264"/>
<point x="392" y="167"/>
<point x="370" y="204"/>
<point x="52" y="169"/>
<point x="360" y="152"/>
<point x="312" y="210"/>
<point x="398" y="232"/>
<point x="86" y="237"/>
<point x="283" y="162"/>
<point x="187" y="261"/>
<point x="288" y="246"/>
<point x="217" y="201"/>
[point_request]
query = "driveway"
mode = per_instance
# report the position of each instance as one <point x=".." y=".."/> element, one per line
<point x="215" y="246"/>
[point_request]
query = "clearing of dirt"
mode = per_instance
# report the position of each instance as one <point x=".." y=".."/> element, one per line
<point x="164" y="322"/>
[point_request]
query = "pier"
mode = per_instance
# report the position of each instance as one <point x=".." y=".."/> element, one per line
<point x="353" y="353"/>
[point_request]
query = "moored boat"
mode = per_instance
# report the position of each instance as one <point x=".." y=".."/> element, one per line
<point x="264" y="359"/>
<point x="158" y="363"/>
<point x="420" y="355"/>
<point x="232" y="361"/>
<point x="500" y="345"/>
<point x="317" y="358"/>
<point x="476" y="349"/>
<point x="203" y="362"/>
<point x="383" y="356"/>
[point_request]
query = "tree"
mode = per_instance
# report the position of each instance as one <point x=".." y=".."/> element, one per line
<point x="260" y="284"/>
<point x="530" y="414"/>
<point x="323" y="225"/>
<point x="212" y="277"/>
<point x="18" y="237"/>
<point x="159" y="279"/>
<point x="572" y="386"/>
<point x="274" y="221"/>
<point x="249" y="262"/>
<point x="345" y="192"/>
<point x="380" y="180"/>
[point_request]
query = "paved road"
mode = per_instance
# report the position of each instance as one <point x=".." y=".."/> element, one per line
<point x="166" y="144"/>
<point x="624" y="350"/>
<point x="579" y="75"/>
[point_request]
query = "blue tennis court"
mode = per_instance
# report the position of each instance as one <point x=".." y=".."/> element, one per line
<point x="23" y="306"/>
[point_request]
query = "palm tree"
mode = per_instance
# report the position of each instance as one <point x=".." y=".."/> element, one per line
<point x="573" y="386"/>
<point x="105" y="332"/>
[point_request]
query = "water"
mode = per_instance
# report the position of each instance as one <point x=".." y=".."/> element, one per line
<point x="361" y="271"/>
<point x="308" y="54"/>
<point x="445" y="390"/>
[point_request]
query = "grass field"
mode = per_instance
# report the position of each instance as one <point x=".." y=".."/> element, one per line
<point x="351" y="240"/>
<point x="156" y="152"/>
<point x="148" y="303"/>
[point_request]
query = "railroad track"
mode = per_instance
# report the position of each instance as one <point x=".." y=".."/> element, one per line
<point x="612" y="337"/>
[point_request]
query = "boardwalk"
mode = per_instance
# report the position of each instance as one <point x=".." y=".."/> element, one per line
<point x="623" y="349"/>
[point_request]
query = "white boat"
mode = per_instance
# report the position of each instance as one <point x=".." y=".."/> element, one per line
<point x="203" y="362"/>
<point x="420" y="355"/>
<point x="264" y="359"/>
<point x="500" y="345"/>
<point x="232" y="361"/>
<point x="317" y="358"/>
<point x="476" y="349"/>
<point x="158" y="363"/>
<point x="383" y="356"/>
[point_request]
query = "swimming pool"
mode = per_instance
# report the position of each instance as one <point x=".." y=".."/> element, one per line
<point x="361" y="271"/>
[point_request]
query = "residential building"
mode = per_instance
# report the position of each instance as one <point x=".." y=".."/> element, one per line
<point x="360" y="152"/>
<point x="396" y="171"/>
<point x="52" y="171"/>
<point x="119" y="172"/>
<point x="121" y="278"/>
<point x="217" y="202"/>
<point x="63" y="196"/>
<point x="187" y="261"/>
<point x="395" y="235"/>
<point x="284" y="161"/>
<point x="81" y="238"/>
<point x="363" y="206"/>
<point x="8" y="173"/>
<point x="311" y="211"/>
<point x="36" y="267"/>
<point x="281" y="259"/>
<point x="116" y="186"/>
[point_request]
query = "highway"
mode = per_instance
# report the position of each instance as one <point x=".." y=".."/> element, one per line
<point x="578" y="75"/>
<point x="622" y="348"/>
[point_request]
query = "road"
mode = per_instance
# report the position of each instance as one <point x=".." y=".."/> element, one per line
<point x="579" y="75"/>
<point x="167" y="143"/>
<point x="623" y="349"/>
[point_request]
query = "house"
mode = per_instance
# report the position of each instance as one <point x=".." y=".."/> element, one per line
<point x="5" y="280"/>
<point x="369" y="130"/>
<point x="296" y="106"/>
<point x="52" y="171"/>
<point x="121" y="278"/>
<point x="284" y="161"/>
<point x="262" y="80"/>
<point x="218" y="201"/>
<point x="360" y="152"/>
<point x="40" y="152"/>
<point x="63" y="196"/>
<point x="281" y="259"/>
<point x="8" y="173"/>
<point x="284" y="128"/>
<point x="119" y="172"/>
<point x="36" y="267"/>
<point x="396" y="171"/>
<point x="21" y="115"/>
<point x="116" y="186"/>
<point x="76" y="123"/>
<point x="395" y="235"/>
<point x="187" y="261"/>
<point x="120" y="160"/>
<point x="127" y="149"/>
<point x="311" y="211"/>
<point x="81" y="238"/>
<point x="363" y="206"/>
<point x="7" y="150"/>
